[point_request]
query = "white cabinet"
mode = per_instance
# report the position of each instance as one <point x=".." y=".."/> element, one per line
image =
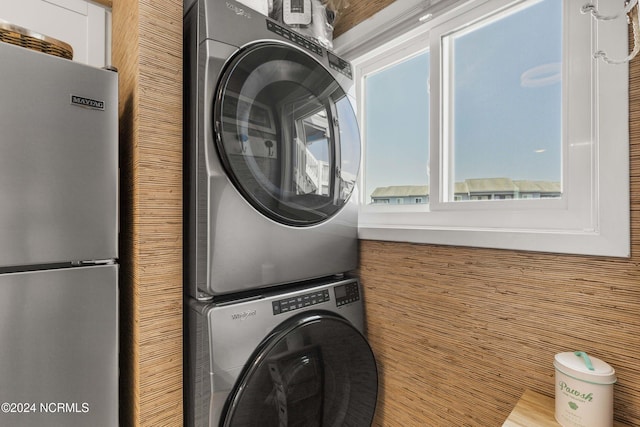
<point x="84" y="25"/>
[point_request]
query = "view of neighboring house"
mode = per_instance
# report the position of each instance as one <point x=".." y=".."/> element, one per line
<point x="470" y="189"/>
<point x="401" y="195"/>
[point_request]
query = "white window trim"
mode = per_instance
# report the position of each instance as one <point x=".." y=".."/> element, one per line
<point x="597" y="223"/>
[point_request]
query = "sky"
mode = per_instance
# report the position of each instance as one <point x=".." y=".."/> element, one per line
<point x="506" y="105"/>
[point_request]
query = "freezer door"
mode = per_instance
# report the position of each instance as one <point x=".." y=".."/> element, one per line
<point x="59" y="348"/>
<point x="58" y="159"/>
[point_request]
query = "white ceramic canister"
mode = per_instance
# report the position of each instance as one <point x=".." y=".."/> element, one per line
<point x="584" y="390"/>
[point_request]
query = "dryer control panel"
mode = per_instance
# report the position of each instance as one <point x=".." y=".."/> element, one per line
<point x="346" y="293"/>
<point x="294" y="37"/>
<point x="335" y="62"/>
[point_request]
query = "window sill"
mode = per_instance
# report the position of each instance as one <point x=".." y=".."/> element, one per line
<point x="583" y="243"/>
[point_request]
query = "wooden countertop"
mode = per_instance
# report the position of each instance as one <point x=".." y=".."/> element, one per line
<point x="535" y="410"/>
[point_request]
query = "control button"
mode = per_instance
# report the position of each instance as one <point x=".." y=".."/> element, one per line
<point x="294" y="37"/>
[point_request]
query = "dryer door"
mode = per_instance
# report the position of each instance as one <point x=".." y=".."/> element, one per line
<point x="286" y="134"/>
<point x="315" y="369"/>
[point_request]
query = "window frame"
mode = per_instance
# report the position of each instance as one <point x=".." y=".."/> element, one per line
<point x="591" y="218"/>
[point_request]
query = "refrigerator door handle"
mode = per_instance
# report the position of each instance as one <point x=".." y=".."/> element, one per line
<point x="110" y="261"/>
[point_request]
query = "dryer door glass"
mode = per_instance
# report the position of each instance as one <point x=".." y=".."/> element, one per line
<point x="314" y="370"/>
<point x="286" y="134"/>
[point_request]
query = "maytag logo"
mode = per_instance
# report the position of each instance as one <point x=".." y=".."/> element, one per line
<point x="243" y="315"/>
<point x="238" y="10"/>
<point x="87" y="102"/>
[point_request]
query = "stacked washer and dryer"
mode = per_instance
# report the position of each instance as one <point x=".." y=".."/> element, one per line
<point x="272" y="151"/>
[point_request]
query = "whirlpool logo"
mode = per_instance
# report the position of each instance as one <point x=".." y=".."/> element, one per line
<point x="244" y="315"/>
<point x="238" y="10"/>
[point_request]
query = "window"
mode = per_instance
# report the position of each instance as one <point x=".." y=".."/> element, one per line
<point x="397" y="109"/>
<point x="503" y="98"/>
<point x="499" y="111"/>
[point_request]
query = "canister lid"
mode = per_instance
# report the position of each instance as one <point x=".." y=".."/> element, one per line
<point x="579" y="365"/>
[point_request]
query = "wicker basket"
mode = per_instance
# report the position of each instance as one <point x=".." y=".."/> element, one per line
<point x="14" y="34"/>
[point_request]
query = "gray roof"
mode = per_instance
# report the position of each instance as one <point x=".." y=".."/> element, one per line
<point x="491" y="185"/>
<point x="461" y="187"/>
<point x="473" y="186"/>
<point x="401" y="191"/>
<point x="538" y="186"/>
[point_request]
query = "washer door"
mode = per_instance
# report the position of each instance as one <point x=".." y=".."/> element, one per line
<point x="286" y="134"/>
<point x="315" y="369"/>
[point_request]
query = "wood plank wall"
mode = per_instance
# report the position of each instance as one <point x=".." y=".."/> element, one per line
<point x="460" y="333"/>
<point x="147" y="50"/>
<point x="357" y="11"/>
<point x="105" y="3"/>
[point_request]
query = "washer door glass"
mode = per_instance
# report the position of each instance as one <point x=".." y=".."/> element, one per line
<point x="315" y="370"/>
<point x="286" y="134"/>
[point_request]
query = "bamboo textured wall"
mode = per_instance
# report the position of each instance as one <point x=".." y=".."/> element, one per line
<point x="460" y="333"/>
<point x="356" y="12"/>
<point x="147" y="50"/>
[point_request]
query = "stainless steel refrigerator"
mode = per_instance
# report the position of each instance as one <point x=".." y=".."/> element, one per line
<point x="58" y="241"/>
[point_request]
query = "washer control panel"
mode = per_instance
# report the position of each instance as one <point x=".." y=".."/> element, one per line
<point x="294" y="303"/>
<point x="346" y="293"/>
